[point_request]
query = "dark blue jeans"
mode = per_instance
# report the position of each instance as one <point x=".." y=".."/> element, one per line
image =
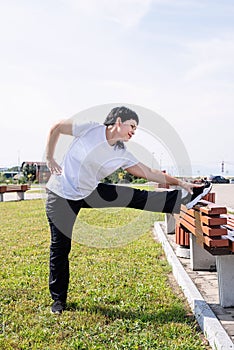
<point x="62" y="213"/>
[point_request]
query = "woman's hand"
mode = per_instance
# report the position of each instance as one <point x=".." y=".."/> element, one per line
<point x="62" y="127"/>
<point x="54" y="167"/>
<point x="188" y="186"/>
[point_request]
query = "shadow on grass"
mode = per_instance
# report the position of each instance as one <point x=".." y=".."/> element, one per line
<point x="173" y="313"/>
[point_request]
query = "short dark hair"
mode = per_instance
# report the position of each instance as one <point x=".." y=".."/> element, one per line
<point x="123" y="112"/>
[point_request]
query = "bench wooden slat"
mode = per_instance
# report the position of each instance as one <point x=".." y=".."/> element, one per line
<point x="197" y="222"/>
<point x="14" y="188"/>
<point x="210" y="208"/>
<point x="3" y="189"/>
<point x="197" y="232"/>
<point x="203" y="239"/>
<point x="186" y="211"/>
<point x="182" y="236"/>
<point x="19" y="189"/>
<point x="213" y="221"/>
<point x="214" y="232"/>
<point x="212" y="226"/>
<point x="216" y="242"/>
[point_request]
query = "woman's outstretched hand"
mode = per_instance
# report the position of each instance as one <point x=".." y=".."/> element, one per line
<point x="188" y="186"/>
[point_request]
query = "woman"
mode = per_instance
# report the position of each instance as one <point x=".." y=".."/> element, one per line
<point x="96" y="152"/>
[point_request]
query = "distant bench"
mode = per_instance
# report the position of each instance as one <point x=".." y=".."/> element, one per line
<point x="208" y="230"/>
<point x="19" y="189"/>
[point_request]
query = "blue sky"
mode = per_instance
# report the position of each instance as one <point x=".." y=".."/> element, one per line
<point x="171" y="56"/>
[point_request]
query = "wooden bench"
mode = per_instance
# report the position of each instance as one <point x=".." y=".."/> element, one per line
<point x="19" y="189"/>
<point x="208" y="231"/>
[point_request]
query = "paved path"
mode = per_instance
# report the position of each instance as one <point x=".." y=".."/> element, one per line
<point x="219" y="328"/>
<point x="224" y="194"/>
<point x="206" y="281"/>
<point x="207" y="284"/>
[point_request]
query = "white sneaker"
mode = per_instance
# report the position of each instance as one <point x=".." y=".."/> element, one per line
<point x="198" y="193"/>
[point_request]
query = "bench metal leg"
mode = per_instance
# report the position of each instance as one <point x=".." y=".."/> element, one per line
<point x="200" y="258"/>
<point x="20" y="196"/>
<point x="1" y="197"/>
<point x="225" y="271"/>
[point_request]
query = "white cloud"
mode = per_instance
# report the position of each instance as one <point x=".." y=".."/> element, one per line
<point x="125" y="88"/>
<point x="125" y="12"/>
<point x="210" y="59"/>
<point x="57" y="60"/>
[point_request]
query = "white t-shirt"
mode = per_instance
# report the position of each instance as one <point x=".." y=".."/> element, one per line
<point x="89" y="159"/>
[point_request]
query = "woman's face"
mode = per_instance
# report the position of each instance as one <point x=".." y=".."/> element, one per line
<point x="127" y="129"/>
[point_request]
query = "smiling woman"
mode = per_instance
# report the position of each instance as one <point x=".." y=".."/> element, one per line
<point x="97" y="151"/>
<point x="125" y="121"/>
<point x="123" y="132"/>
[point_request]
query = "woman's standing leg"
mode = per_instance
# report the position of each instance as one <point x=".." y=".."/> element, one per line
<point x="61" y="214"/>
<point x="60" y="247"/>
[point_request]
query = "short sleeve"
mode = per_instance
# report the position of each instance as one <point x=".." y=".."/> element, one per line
<point x="80" y="129"/>
<point x="130" y="160"/>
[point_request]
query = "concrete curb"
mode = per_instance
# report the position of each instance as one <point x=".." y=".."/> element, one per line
<point x="210" y="325"/>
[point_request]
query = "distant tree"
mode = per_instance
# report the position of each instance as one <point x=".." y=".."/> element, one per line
<point x="113" y="178"/>
<point x="29" y="171"/>
<point x="122" y="176"/>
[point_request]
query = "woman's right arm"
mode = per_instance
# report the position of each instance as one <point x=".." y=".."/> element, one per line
<point x="62" y="127"/>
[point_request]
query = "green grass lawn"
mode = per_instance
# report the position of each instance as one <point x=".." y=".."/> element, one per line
<point x="119" y="297"/>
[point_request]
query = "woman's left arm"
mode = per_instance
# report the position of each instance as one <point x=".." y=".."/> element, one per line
<point x="142" y="170"/>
